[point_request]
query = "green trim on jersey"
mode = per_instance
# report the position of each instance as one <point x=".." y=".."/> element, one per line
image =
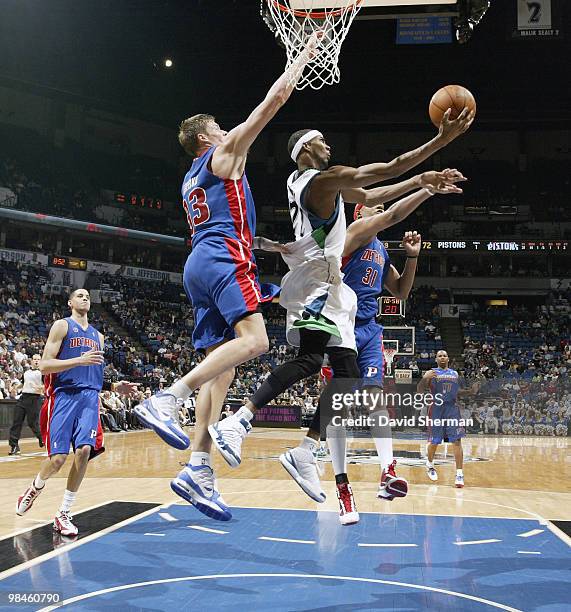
<point x="319" y="235"/>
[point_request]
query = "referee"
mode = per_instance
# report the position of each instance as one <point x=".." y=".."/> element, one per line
<point x="28" y="406"/>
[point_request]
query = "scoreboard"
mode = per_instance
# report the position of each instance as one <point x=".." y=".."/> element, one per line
<point x="487" y="246"/>
<point x="70" y="263"/>
<point x="390" y="306"/>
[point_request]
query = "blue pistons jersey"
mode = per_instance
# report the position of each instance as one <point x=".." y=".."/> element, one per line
<point x="444" y="387"/>
<point x="218" y="208"/>
<point x="445" y="384"/>
<point x="220" y="276"/>
<point x="76" y="342"/>
<point x="365" y="271"/>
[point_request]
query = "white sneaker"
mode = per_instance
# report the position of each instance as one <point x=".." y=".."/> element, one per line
<point x="431" y="472"/>
<point x="26" y="500"/>
<point x="64" y="525"/>
<point x="197" y="485"/>
<point x="459" y="482"/>
<point x="301" y="465"/>
<point x="228" y="435"/>
<point x="160" y="413"/>
<point x="348" y="514"/>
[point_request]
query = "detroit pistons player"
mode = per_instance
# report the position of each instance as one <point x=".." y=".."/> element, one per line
<point x="221" y="280"/>
<point x="72" y="365"/>
<point x="368" y="270"/>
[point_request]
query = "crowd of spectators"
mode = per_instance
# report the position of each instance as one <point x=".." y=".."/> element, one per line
<point x="516" y="359"/>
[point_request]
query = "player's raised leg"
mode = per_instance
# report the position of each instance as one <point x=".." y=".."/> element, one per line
<point x="196" y="482"/>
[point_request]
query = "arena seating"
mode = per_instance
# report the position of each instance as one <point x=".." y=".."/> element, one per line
<point x="148" y="332"/>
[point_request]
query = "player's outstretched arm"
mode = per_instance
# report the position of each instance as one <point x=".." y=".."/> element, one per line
<point x="50" y="364"/>
<point x="230" y="157"/>
<point x="339" y="178"/>
<point x="437" y="181"/>
<point x="401" y="284"/>
<point x="361" y="232"/>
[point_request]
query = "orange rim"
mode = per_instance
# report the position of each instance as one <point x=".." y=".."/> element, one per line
<point x="315" y="14"/>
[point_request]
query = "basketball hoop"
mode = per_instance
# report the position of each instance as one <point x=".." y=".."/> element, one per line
<point x="294" y="21"/>
<point x="389" y="354"/>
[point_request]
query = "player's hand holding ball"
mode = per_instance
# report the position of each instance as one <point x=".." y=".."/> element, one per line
<point x="412" y="242"/>
<point x="452" y="110"/>
<point x="91" y="357"/>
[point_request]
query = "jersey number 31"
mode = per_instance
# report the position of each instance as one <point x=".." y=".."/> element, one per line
<point x="196" y="208"/>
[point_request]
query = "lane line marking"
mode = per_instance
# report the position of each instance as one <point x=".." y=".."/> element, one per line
<point x="476" y="542"/>
<point x="207" y="529"/>
<point x="268" y="538"/>
<point x="94" y="536"/>
<point x="528" y="552"/>
<point x="528" y="534"/>
<point x="388" y="545"/>
<point x="158" y="535"/>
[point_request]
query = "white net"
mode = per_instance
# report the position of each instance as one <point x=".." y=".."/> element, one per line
<point x="293" y="22"/>
<point x="389" y="354"/>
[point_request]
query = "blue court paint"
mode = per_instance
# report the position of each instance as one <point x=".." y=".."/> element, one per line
<point x="333" y="574"/>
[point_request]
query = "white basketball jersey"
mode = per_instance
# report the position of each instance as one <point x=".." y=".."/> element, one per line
<point x="312" y="291"/>
<point x="329" y="234"/>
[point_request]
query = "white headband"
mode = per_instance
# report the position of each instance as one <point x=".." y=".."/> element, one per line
<point x="305" y="138"/>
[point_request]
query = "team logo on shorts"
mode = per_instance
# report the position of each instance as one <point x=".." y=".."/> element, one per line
<point x="93" y="433"/>
<point x="371" y="371"/>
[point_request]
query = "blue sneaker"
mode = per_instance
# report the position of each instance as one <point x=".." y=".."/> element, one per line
<point x="160" y="413"/>
<point x="196" y="485"/>
<point x="227" y="436"/>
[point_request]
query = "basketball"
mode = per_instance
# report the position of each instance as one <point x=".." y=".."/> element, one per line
<point x="455" y="97"/>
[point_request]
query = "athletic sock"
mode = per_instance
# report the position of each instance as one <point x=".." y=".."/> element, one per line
<point x="199" y="458"/>
<point x="384" y="448"/>
<point x="244" y="413"/>
<point x="429" y="464"/>
<point x="459" y="472"/>
<point x="38" y="482"/>
<point x="309" y="443"/>
<point x="68" y="499"/>
<point x="179" y="390"/>
<point x="337" y="442"/>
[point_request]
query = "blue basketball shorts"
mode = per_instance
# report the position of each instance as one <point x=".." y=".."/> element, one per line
<point x="369" y="339"/>
<point x="221" y="280"/>
<point x="71" y="418"/>
<point x="448" y="432"/>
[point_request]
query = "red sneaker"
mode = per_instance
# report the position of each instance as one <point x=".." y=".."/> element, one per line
<point x="26" y="500"/>
<point x="347" y="510"/>
<point x="391" y="485"/>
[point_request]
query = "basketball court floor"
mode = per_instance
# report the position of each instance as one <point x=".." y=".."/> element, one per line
<point x="501" y="542"/>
